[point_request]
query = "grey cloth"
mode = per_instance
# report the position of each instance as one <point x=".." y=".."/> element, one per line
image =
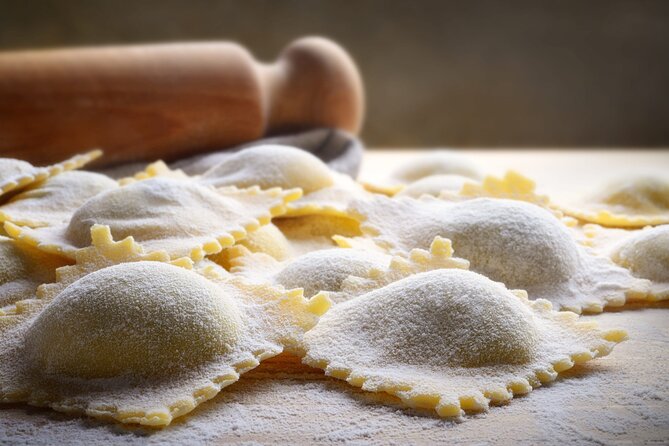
<point x="340" y="150"/>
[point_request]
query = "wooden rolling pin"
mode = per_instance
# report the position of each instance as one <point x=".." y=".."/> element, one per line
<point x="169" y="100"/>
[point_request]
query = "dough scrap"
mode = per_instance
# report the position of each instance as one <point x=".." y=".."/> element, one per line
<point x="632" y="202"/>
<point x="23" y="269"/>
<point x="451" y="340"/>
<point x="53" y="201"/>
<point x="644" y="252"/>
<point x="523" y="246"/>
<point x="155" y="169"/>
<point x="16" y="174"/>
<point x="127" y="336"/>
<point x="181" y="217"/>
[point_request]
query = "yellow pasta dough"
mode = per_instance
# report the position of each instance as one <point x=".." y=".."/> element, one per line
<point x="16" y="174"/>
<point x="631" y="202"/>
<point x="514" y="242"/>
<point x="53" y="201"/>
<point x="451" y="340"/>
<point x="181" y="217"/>
<point x="313" y="232"/>
<point x="645" y="252"/>
<point x="23" y="269"/>
<point x="142" y="341"/>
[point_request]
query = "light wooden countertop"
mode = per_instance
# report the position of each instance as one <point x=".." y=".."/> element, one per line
<point x="619" y="399"/>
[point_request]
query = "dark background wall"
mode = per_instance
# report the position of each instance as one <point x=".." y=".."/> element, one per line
<point x="462" y="73"/>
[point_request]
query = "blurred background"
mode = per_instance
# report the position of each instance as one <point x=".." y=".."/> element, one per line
<point x="438" y="73"/>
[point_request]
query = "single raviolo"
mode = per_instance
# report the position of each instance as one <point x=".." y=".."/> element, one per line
<point x="514" y="242"/>
<point x="180" y="217"/>
<point x="434" y="185"/>
<point x="450" y="340"/>
<point x="644" y="252"/>
<point x="631" y="202"/>
<point x="53" y="201"/>
<point x="125" y="335"/>
<point x="17" y="174"/>
<point x="157" y="319"/>
<point x="323" y="270"/>
<point x="436" y="162"/>
<point x="23" y="269"/>
<point x="271" y="166"/>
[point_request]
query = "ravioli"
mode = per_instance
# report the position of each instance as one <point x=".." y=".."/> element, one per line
<point x="53" y="201"/>
<point x="436" y="162"/>
<point x="435" y="185"/>
<point x="644" y="252"/>
<point x="514" y="242"/>
<point x="16" y="174"/>
<point x="180" y="217"/>
<point x="451" y="340"/>
<point x="631" y="202"/>
<point x="323" y="270"/>
<point x="23" y="269"/>
<point x="124" y="335"/>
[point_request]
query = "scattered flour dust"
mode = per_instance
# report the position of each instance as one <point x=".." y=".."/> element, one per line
<point x="622" y="398"/>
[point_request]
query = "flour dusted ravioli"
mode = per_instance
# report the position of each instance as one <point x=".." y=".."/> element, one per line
<point x="53" y="201"/>
<point x="514" y="242"/>
<point x="318" y="231"/>
<point x="181" y="217"/>
<point x="322" y="270"/>
<point x="271" y="166"/>
<point x="628" y="203"/>
<point x="436" y="162"/>
<point x="23" y="268"/>
<point x="434" y="185"/>
<point x="142" y="341"/>
<point x="325" y="191"/>
<point x="16" y="174"/>
<point x="451" y="340"/>
<point x="644" y="252"/>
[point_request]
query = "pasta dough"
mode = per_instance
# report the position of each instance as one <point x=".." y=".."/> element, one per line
<point x="53" y="201"/>
<point x="628" y="203"/>
<point x="451" y="340"/>
<point x="181" y="217"/>
<point x="523" y="246"/>
<point x="16" y="174"/>
<point x="143" y="341"/>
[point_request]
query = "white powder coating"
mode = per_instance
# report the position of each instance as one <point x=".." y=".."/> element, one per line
<point x="434" y="185"/>
<point x="325" y="270"/>
<point x="436" y="162"/>
<point x="138" y="319"/>
<point x="514" y="242"/>
<point x="23" y="269"/>
<point x="449" y="340"/>
<point x="180" y="217"/>
<point x="271" y="166"/>
<point x="53" y="201"/>
<point x="270" y="240"/>
<point x="646" y="254"/>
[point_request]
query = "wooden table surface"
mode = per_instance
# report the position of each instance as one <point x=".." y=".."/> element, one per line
<point x="619" y="399"/>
